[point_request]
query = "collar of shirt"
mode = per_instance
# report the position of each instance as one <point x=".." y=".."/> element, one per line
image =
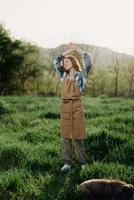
<point x="67" y="74"/>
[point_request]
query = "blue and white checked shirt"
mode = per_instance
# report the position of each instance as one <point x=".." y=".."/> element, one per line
<point x="80" y="76"/>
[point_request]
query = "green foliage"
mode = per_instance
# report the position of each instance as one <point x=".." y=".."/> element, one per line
<point x="14" y="157"/>
<point x="3" y="107"/>
<point x="20" y="69"/>
<point x="30" y="146"/>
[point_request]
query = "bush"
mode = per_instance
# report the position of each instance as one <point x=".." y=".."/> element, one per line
<point x="12" y="156"/>
<point x="4" y="107"/>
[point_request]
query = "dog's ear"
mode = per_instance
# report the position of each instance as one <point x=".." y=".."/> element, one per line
<point x="131" y="187"/>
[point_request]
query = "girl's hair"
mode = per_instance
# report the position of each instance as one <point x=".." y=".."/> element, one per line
<point x="74" y="61"/>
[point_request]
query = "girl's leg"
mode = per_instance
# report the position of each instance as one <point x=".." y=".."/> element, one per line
<point x="67" y="151"/>
<point x="80" y="149"/>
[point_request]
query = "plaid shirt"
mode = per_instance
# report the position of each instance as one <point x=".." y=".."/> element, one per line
<point x="80" y="76"/>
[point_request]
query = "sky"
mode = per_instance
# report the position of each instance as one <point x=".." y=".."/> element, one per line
<point x="50" y="23"/>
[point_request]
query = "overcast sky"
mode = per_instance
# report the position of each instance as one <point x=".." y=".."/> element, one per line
<point x="49" y="23"/>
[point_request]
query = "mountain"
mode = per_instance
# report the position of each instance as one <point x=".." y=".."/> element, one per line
<point x="101" y="56"/>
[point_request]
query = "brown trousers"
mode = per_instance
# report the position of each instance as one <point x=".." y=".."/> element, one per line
<point x="67" y="150"/>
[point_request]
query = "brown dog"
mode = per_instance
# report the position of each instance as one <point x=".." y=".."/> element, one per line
<point x="106" y="189"/>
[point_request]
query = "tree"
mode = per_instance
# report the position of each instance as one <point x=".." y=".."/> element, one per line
<point x="130" y="78"/>
<point x="115" y="68"/>
<point x="19" y="65"/>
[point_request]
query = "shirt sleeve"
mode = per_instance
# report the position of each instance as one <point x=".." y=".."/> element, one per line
<point x="57" y="65"/>
<point x="87" y="65"/>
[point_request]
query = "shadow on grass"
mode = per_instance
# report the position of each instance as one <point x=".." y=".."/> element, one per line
<point x="66" y="186"/>
<point x="50" y="115"/>
<point x="99" y="146"/>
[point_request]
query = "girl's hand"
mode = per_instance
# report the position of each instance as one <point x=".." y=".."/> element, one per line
<point x="72" y="45"/>
<point x="71" y="76"/>
<point x="76" y="47"/>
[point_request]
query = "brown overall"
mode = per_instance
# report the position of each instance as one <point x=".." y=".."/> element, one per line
<point x="72" y="120"/>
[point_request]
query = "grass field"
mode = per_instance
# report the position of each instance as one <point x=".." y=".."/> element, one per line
<point x="30" y="149"/>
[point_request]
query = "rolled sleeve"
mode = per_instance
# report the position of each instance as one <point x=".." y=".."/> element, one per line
<point x="87" y="64"/>
<point x="57" y="65"/>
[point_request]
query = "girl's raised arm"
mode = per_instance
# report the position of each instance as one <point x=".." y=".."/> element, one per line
<point x="87" y="62"/>
<point x="57" y="64"/>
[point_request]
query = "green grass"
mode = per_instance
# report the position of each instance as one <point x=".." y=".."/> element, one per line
<point x="30" y="148"/>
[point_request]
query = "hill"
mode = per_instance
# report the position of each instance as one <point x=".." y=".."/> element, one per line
<point x="102" y="56"/>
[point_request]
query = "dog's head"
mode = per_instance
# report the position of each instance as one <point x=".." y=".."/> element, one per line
<point x="128" y="189"/>
<point x="126" y="193"/>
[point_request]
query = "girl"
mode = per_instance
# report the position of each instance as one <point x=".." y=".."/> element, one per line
<point x="72" y="117"/>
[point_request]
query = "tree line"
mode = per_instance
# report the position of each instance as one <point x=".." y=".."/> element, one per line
<point x="20" y="68"/>
<point x="23" y="72"/>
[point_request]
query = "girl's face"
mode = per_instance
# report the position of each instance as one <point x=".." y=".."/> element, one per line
<point x="67" y="64"/>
